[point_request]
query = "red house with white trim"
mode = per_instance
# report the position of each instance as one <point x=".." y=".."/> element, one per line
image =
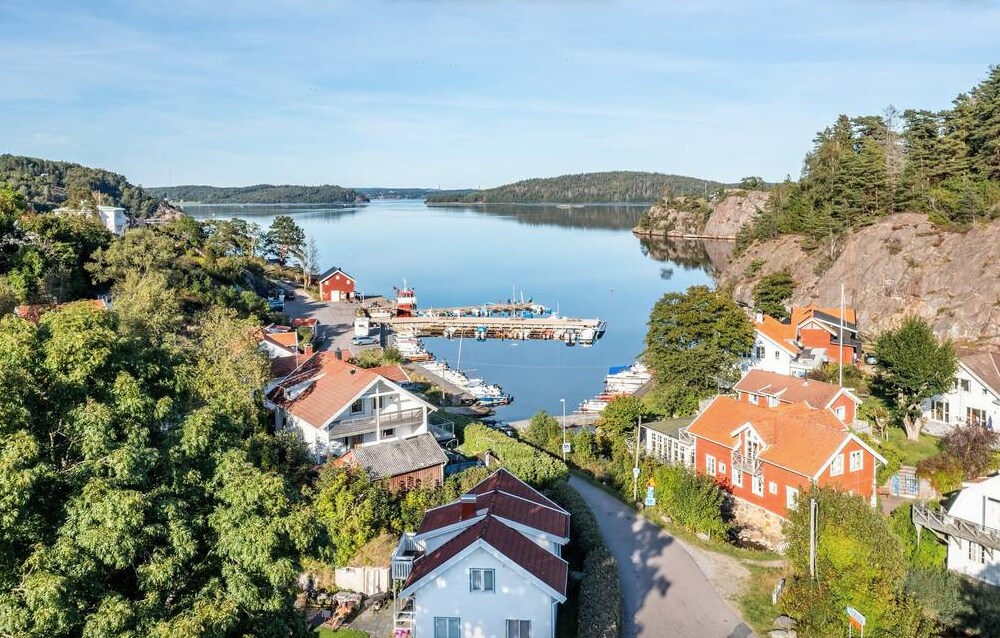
<point x="770" y="389"/>
<point x="336" y="285"/>
<point x="767" y="456"/>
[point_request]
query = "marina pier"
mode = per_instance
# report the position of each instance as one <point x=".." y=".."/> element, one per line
<point x="568" y="330"/>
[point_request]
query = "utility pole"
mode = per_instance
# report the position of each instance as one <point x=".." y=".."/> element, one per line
<point x="563" y="401"/>
<point x="813" y="512"/>
<point x="635" y="468"/>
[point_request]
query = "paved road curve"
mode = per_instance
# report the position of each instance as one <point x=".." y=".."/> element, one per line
<point x="664" y="592"/>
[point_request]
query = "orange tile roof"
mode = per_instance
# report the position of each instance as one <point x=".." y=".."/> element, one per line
<point x="281" y="367"/>
<point x="393" y="372"/>
<point x="335" y="383"/>
<point x="288" y="339"/>
<point x="788" y="389"/>
<point x="804" y="313"/>
<point x="782" y="334"/>
<point x="797" y="437"/>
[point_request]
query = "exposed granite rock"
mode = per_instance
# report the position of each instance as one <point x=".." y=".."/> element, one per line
<point x="687" y="217"/>
<point x="733" y="210"/>
<point x="899" y="266"/>
<point x="666" y="220"/>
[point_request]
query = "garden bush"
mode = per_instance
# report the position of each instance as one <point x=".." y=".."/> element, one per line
<point x="694" y="501"/>
<point x="532" y="465"/>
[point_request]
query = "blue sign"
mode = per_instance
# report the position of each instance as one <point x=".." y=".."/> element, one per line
<point x="650" y="497"/>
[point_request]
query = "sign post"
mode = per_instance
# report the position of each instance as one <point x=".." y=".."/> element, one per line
<point x="650" y="495"/>
<point x="855" y="620"/>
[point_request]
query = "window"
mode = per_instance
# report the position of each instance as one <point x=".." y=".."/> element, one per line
<point x="964" y="385"/>
<point x="447" y="627"/>
<point x="976" y="554"/>
<point x="722" y="468"/>
<point x="389" y="432"/>
<point x="837" y="467"/>
<point x="772" y="487"/>
<point x="710" y="464"/>
<point x="777" y="354"/>
<point x="761" y="352"/>
<point x="772" y="402"/>
<point x="482" y="580"/>
<point x="857" y="460"/>
<point x="753" y="399"/>
<point x="737" y="477"/>
<point x="841" y="412"/>
<point x="975" y="416"/>
<point x="358" y="407"/>
<point x="940" y="411"/>
<point x="791" y="498"/>
<point x="758" y="485"/>
<point x="518" y="629"/>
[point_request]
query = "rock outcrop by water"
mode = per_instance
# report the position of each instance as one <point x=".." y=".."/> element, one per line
<point x="902" y="265"/>
<point x="695" y="217"/>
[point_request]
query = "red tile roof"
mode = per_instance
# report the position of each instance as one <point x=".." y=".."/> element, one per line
<point x="288" y="339"/>
<point x="800" y="314"/>
<point x="543" y="565"/>
<point x="392" y="372"/>
<point x="788" y="389"/>
<point x="797" y="437"/>
<point x="334" y="384"/>
<point x="986" y="366"/>
<point x="281" y="367"/>
<point x="308" y="322"/>
<point x="782" y="334"/>
<point x="502" y="480"/>
<point x="513" y="508"/>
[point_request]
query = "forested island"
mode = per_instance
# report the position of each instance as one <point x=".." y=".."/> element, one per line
<point x="611" y="186"/>
<point x="261" y="194"/>
<point x="48" y="184"/>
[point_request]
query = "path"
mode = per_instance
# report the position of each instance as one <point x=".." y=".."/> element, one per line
<point x="664" y="592"/>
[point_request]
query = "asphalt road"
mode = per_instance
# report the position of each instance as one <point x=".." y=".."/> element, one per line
<point x="664" y="593"/>
<point x="336" y="320"/>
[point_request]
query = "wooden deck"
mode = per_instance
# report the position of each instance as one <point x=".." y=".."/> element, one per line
<point x="498" y="327"/>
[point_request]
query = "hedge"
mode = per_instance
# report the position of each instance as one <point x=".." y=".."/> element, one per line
<point x="532" y="465"/>
<point x="597" y="616"/>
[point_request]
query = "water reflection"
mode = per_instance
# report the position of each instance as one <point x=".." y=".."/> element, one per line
<point x="585" y="216"/>
<point x="254" y="212"/>
<point x="690" y="254"/>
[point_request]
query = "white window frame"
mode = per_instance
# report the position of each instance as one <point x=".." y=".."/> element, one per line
<point x="777" y="354"/>
<point x="448" y="633"/>
<point x="710" y="464"/>
<point x="482" y="572"/>
<point x="737" y="477"/>
<point x="772" y="487"/>
<point x="358" y="407"/>
<point x="941" y="411"/>
<point x="520" y="631"/>
<point x="753" y="399"/>
<point x="722" y="468"/>
<point x="837" y="465"/>
<point x="791" y="497"/>
<point x="976" y="553"/>
<point x="757" y="484"/>
<point x="772" y="402"/>
<point x="841" y="412"/>
<point x="857" y="460"/>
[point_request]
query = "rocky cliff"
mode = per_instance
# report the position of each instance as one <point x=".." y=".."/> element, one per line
<point x="900" y="266"/>
<point x="697" y="217"/>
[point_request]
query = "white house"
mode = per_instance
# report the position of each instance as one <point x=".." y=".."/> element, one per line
<point x="485" y="566"/>
<point x="971" y="528"/>
<point x="114" y="218"/>
<point x="974" y="397"/>
<point x="335" y="406"/>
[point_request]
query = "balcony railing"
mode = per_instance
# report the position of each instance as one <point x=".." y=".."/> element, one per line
<point x="390" y="418"/>
<point x="403" y="556"/>
<point x="441" y="428"/>
<point x="939" y="521"/>
<point x="744" y="463"/>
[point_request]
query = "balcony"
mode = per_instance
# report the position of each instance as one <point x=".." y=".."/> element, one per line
<point x="368" y="423"/>
<point x="442" y="429"/>
<point x="403" y="556"/>
<point x="938" y="521"/>
<point x="749" y="464"/>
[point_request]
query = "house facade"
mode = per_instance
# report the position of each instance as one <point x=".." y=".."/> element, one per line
<point x="973" y="399"/>
<point x="810" y="338"/>
<point x="767" y="457"/>
<point x="970" y="528"/>
<point x="336" y="285"/>
<point x="770" y="389"/>
<point x="336" y="407"/>
<point x="487" y="565"/>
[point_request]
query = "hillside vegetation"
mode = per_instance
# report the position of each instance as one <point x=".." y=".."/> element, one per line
<point x="945" y="164"/>
<point x="612" y="186"/>
<point x="261" y="194"/>
<point x="47" y="184"/>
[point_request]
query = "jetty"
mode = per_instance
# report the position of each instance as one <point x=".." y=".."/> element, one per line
<point x="569" y="330"/>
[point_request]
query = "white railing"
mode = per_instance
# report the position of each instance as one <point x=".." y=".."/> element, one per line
<point x="403" y="556"/>
<point x="940" y="521"/>
<point x="749" y="464"/>
<point x="411" y="416"/>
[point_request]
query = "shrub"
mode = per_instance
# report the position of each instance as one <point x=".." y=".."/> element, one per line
<point x="771" y="293"/>
<point x="944" y="471"/>
<point x="533" y="466"/>
<point x="753" y="268"/>
<point x="694" y="501"/>
<point x="928" y="553"/>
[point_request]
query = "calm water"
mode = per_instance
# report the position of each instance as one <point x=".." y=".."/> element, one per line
<point x="583" y="260"/>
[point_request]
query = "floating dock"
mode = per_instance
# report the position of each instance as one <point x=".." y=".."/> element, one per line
<point x="568" y="330"/>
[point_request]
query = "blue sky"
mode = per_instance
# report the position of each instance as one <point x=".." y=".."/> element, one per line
<point x="467" y="93"/>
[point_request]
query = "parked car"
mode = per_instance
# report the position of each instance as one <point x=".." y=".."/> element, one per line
<point x="363" y="341"/>
<point x="870" y="359"/>
<point x="289" y="294"/>
<point x="501" y="426"/>
<point x="275" y="304"/>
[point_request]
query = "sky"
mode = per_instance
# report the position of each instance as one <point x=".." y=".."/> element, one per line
<point x="470" y="93"/>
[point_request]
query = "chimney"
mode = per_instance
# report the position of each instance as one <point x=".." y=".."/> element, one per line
<point x="338" y="353"/>
<point x="468" y="509"/>
<point x="758" y="317"/>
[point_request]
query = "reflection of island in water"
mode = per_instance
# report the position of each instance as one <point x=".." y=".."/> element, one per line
<point x="324" y="212"/>
<point x="711" y="255"/>
<point x="584" y="216"/>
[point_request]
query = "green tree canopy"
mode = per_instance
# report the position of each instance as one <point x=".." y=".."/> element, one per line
<point x="771" y="293"/>
<point x="912" y="366"/>
<point x="284" y="237"/>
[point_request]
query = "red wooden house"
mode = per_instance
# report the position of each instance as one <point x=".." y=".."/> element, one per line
<point x="336" y="285"/>
<point x="767" y="457"/>
<point x="817" y="327"/>
<point x="770" y="389"/>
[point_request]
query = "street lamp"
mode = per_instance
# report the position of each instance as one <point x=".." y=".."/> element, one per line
<point x="563" y="401"/>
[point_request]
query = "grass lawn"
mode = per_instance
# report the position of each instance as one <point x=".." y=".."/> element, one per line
<point x="755" y="605"/>
<point x="341" y="633"/>
<point x="911" y="451"/>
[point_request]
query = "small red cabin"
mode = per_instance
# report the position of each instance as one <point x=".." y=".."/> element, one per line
<point x="336" y="285"/>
